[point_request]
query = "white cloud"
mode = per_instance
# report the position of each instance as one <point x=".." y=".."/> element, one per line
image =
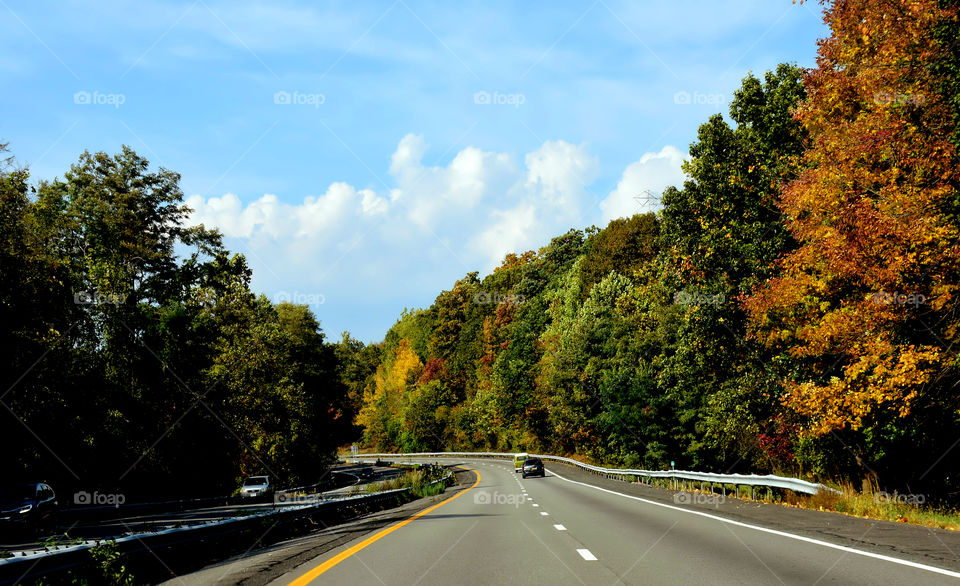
<point x="432" y="194"/>
<point x="513" y="230"/>
<point x="654" y="172"/>
<point x="560" y="172"/>
<point x="403" y="245"/>
<point x="269" y="217"/>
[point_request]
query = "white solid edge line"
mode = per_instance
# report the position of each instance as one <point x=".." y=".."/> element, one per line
<point x="775" y="532"/>
<point x="585" y="554"/>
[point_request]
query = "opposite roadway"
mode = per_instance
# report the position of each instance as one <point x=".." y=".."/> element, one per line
<point x="507" y="530"/>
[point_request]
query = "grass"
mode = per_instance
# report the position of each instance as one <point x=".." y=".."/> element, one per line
<point x="870" y="504"/>
<point x="420" y="482"/>
<point x="877" y="505"/>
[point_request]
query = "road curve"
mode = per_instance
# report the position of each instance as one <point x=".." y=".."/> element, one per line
<point x="554" y="530"/>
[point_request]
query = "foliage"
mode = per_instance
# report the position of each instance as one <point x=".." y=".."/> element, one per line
<point x="132" y="347"/>
<point x="866" y="305"/>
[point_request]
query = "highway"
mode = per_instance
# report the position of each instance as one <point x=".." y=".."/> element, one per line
<point x="504" y="529"/>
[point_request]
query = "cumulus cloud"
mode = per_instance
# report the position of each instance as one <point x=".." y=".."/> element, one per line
<point x="514" y="230"/>
<point x="481" y="204"/>
<point x="400" y="246"/>
<point x="433" y="194"/>
<point x="560" y="172"/>
<point x="269" y="217"/>
<point x="551" y="198"/>
<point x="653" y="173"/>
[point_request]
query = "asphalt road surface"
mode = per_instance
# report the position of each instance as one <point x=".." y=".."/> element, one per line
<point x="554" y="530"/>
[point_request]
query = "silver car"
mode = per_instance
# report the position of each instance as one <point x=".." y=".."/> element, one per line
<point x="256" y="487"/>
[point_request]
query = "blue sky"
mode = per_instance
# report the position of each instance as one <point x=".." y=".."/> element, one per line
<point x="365" y="155"/>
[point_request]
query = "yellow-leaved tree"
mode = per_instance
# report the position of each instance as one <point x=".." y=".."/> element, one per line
<point x="381" y="414"/>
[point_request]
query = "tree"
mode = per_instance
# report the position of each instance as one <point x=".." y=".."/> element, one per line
<point x="720" y="235"/>
<point x="867" y="303"/>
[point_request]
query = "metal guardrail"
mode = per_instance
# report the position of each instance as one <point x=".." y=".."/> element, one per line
<point x="678" y="478"/>
<point x="103" y="512"/>
<point x="37" y="564"/>
<point x="182" y="541"/>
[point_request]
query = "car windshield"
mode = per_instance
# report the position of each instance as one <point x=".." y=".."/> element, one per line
<point x="532" y="462"/>
<point x="255" y="481"/>
<point x="17" y="494"/>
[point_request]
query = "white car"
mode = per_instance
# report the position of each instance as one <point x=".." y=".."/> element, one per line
<point x="256" y="487"/>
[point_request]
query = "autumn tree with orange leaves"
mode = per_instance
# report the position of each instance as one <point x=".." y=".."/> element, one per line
<point x="866" y="306"/>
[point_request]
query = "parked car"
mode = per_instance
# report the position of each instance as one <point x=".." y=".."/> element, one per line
<point x="31" y="507"/>
<point x="533" y="467"/>
<point x="518" y="461"/>
<point x="258" y="487"/>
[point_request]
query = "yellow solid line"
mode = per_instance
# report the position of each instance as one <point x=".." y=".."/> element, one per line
<point x="316" y="572"/>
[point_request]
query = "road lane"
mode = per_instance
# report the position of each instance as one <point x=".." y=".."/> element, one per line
<point x="641" y="542"/>
<point x="490" y="535"/>
<point x="499" y="533"/>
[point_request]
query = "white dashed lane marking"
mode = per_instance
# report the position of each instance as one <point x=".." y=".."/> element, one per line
<point x="585" y="554"/>
<point x="559" y="527"/>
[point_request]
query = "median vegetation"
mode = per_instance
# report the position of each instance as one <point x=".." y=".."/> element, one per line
<point x="422" y="482"/>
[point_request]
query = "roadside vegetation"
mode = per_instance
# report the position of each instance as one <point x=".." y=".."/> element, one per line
<point x="881" y="506"/>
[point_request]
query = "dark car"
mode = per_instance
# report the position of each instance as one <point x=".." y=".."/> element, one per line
<point x="533" y="467"/>
<point x="28" y="507"/>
